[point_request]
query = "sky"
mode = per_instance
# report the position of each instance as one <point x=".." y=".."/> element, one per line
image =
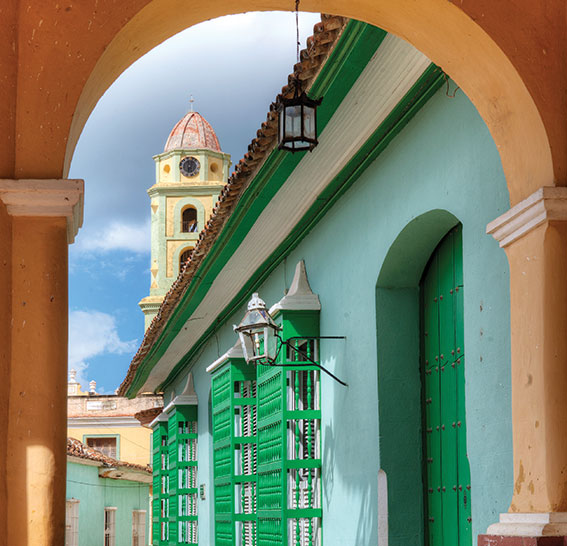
<point x="233" y="67"/>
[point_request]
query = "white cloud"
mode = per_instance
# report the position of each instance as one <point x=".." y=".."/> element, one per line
<point x="91" y="334"/>
<point x="116" y="236"/>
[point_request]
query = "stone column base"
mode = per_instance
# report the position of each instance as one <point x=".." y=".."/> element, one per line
<point x="537" y="529"/>
<point x="496" y="540"/>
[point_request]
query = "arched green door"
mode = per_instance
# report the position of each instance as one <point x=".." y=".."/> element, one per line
<point x="447" y="473"/>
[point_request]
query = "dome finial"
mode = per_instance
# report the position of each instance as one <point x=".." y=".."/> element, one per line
<point x="191" y="101"/>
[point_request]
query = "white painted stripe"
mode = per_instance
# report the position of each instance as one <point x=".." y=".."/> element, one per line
<point x="389" y="75"/>
<point x="80" y="422"/>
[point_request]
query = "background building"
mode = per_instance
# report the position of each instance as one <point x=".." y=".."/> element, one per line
<point x="107" y="499"/>
<point x="108" y="424"/>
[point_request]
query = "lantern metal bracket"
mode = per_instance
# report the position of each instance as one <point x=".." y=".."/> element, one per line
<point x="272" y="362"/>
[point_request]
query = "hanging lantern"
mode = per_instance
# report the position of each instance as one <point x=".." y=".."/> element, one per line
<point x="258" y="333"/>
<point x="297" y="121"/>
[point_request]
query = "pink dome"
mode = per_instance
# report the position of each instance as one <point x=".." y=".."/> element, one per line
<point x="192" y="132"/>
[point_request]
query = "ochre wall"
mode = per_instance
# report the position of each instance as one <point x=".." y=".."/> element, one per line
<point x="5" y="353"/>
<point x="534" y="37"/>
<point x="134" y="441"/>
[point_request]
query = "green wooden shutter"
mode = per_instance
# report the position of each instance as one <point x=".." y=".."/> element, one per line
<point x="235" y="453"/>
<point x="244" y="451"/>
<point x="271" y="442"/>
<point x="447" y="474"/>
<point x="182" y="428"/>
<point x="221" y="393"/>
<point x="160" y="503"/>
<point x="289" y="420"/>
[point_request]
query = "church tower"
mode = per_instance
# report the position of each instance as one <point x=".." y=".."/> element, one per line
<point x="190" y="173"/>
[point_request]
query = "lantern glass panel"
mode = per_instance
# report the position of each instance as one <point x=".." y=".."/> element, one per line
<point x="309" y="122"/>
<point x="270" y="344"/>
<point x="247" y="344"/>
<point x="292" y="121"/>
<point x="281" y="123"/>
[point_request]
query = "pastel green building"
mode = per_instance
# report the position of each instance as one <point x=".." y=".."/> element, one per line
<point x="383" y="415"/>
<point x="107" y="500"/>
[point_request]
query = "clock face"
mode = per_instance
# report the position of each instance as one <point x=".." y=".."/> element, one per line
<point x="189" y="166"/>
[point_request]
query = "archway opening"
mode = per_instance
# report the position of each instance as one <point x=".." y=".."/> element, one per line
<point x="399" y="378"/>
<point x="189" y="220"/>
<point x="441" y="30"/>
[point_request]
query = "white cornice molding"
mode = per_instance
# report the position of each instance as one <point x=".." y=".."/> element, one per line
<point x="550" y="524"/>
<point x="82" y="460"/>
<point x="48" y="198"/>
<point x="233" y="352"/>
<point x="93" y="422"/>
<point x="547" y="204"/>
<point x="123" y="472"/>
<point x="184" y="190"/>
<point x="161" y="418"/>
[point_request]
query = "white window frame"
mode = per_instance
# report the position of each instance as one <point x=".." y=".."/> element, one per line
<point x="72" y="522"/>
<point x="110" y="526"/>
<point x="138" y="527"/>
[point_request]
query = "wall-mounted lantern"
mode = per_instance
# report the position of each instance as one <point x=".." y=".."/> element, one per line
<point x="258" y="333"/>
<point x="261" y="342"/>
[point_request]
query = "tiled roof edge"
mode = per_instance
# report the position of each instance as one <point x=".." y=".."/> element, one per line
<point x="75" y="448"/>
<point x="312" y="58"/>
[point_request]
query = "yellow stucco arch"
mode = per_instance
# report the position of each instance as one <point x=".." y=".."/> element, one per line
<point x="438" y="28"/>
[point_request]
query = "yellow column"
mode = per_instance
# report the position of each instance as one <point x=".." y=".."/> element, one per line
<point x="45" y="217"/>
<point x="534" y="236"/>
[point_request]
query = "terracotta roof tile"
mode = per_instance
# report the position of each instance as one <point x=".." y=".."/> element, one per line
<point x="319" y="46"/>
<point x="75" y="448"/>
<point x="148" y="415"/>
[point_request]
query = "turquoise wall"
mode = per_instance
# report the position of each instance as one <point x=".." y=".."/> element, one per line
<point x="95" y="494"/>
<point x="444" y="160"/>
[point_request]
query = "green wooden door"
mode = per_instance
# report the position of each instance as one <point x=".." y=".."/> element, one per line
<point x="447" y="474"/>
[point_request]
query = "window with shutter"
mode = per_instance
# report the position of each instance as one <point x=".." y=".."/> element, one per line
<point x="266" y="443"/>
<point x="175" y="475"/>
<point x="139" y="528"/>
<point x="106" y="445"/>
<point x="72" y="522"/>
<point x="160" y="501"/>
<point x="110" y="526"/>
<point x="182" y="432"/>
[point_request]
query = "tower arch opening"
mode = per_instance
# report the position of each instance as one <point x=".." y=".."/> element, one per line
<point x="184" y="257"/>
<point x="189" y="220"/>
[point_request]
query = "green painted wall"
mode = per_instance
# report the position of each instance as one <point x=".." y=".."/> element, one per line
<point x="95" y="494"/>
<point x="443" y="161"/>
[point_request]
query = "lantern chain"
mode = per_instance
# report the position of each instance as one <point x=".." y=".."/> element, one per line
<point x="297" y="26"/>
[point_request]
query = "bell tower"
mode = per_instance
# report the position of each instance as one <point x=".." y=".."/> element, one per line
<point x="190" y="173"/>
